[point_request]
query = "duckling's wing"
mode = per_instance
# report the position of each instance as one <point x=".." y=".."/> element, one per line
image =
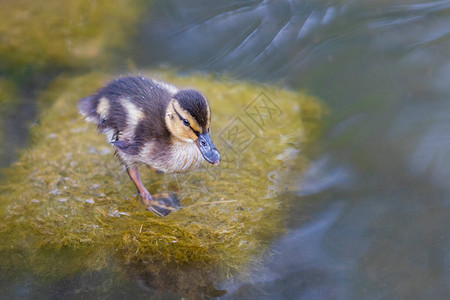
<point x="122" y="145"/>
<point x="127" y="147"/>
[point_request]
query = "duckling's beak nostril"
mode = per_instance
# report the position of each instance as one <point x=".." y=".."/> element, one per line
<point x="208" y="149"/>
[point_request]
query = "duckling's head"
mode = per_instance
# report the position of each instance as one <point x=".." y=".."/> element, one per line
<point x="188" y="118"/>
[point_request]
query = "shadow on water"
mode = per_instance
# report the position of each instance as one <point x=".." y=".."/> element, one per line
<point x="376" y="198"/>
<point x="369" y="219"/>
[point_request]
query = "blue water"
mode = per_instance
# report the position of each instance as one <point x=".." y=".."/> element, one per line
<point x="370" y="219"/>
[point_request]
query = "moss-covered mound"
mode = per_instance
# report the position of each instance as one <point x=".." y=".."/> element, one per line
<point x="67" y="206"/>
<point x="37" y="35"/>
<point x="8" y="100"/>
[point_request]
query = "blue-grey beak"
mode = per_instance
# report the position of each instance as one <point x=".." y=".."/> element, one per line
<point x="208" y="149"/>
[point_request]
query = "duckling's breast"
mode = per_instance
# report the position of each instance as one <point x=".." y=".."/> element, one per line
<point x="177" y="157"/>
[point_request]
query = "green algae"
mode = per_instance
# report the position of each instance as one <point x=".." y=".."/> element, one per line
<point x="8" y="98"/>
<point x="75" y="34"/>
<point x="67" y="206"/>
<point x="8" y="92"/>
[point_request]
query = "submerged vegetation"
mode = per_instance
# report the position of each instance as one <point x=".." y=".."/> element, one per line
<point x="39" y="36"/>
<point x="68" y="207"/>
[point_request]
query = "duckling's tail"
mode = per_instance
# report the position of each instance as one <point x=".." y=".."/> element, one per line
<point x="88" y="108"/>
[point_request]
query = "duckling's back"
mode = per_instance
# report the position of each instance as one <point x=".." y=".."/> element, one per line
<point x="130" y="111"/>
<point x="127" y="101"/>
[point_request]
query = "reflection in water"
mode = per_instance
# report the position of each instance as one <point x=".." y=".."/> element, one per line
<point x="307" y="262"/>
<point x="378" y="200"/>
<point x="250" y="38"/>
<point x="321" y="177"/>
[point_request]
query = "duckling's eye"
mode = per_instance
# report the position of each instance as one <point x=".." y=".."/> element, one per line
<point x="186" y="122"/>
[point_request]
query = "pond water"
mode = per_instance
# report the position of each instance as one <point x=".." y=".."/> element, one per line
<point x="376" y="199"/>
<point x="370" y="218"/>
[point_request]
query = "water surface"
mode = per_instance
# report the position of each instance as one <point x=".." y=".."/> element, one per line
<point x="376" y="198"/>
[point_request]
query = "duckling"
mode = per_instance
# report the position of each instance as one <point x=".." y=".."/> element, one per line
<point x="154" y="123"/>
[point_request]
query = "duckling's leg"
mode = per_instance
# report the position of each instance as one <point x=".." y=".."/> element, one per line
<point x="162" y="205"/>
<point x="133" y="172"/>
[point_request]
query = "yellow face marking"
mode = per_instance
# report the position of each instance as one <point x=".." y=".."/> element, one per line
<point x="176" y="126"/>
<point x="103" y="107"/>
<point x="186" y="115"/>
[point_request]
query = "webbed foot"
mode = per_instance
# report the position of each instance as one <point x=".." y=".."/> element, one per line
<point x="162" y="204"/>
